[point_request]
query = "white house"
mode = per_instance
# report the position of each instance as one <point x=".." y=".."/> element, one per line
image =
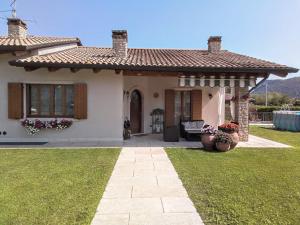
<point x="50" y="78"/>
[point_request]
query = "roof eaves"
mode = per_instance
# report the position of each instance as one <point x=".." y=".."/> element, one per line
<point x="11" y="48"/>
<point x="156" y="68"/>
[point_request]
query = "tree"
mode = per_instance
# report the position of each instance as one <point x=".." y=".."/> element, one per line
<point x="274" y="99"/>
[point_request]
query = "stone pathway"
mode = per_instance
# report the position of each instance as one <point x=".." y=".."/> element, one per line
<point x="144" y="189"/>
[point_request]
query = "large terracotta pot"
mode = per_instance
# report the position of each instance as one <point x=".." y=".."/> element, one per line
<point x="222" y="147"/>
<point x="235" y="139"/>
<point x="208" y="141"/>
<point x="234" y="135"/>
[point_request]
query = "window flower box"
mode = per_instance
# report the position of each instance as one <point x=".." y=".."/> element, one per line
<point x="35" y="126"/>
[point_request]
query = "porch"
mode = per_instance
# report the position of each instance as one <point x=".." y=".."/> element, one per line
<point x="184" y="98"/>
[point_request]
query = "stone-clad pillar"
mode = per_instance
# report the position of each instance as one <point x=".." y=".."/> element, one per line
<point x="242" y="112"/>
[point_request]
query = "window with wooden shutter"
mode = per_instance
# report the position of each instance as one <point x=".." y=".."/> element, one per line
<point x="196" y="98"/>
<point x="50" y="100"/>
<point x="80" y="101"/>
<point x="169" y="108"/>
<point x="15" y="100"/>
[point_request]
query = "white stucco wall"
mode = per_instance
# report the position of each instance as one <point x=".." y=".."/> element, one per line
<point x="210" y="107"/>
<point x="149" y="85"/>
<point x="105" y="104"/>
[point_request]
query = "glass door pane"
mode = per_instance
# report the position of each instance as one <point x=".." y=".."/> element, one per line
<point x="58" y="100"/>
<point x="186" y="105"/>
<point x="177" y="107"/>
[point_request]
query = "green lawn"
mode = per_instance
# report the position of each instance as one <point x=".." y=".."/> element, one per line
<point x="244" y="186"/>
<point x="56" y="187"/>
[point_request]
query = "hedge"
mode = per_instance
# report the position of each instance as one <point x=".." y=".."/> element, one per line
<point x="261" y="108"/>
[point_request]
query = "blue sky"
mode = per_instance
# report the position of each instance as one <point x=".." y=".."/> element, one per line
<point x="267" y="29"/>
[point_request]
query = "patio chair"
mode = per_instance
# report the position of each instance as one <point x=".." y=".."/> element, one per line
<point x="190" y="130"/>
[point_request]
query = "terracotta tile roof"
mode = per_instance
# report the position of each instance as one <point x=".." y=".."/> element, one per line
<point x="154" y="60"/>
<point x="32" y="42"/>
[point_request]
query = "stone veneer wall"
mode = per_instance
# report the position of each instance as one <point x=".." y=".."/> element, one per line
<point x="242" y="112"/>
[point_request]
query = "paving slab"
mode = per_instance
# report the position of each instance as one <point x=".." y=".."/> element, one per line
<point x="157" y="191"/>
<point x="144" y="189"/>
<point x="168" y="181"/>
<point x="130" y="205"/>
<point x="178" y="205"/>
<point x="123" y="172"/>
<point x="132" y="181"/>
<point x="111" y="219"/>
<point x="165" y="219"/>
<point x="116" y="191"/>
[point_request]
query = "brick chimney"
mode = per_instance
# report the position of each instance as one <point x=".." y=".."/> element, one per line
<point x="120" y="42"/>
<point x="16" y="28"/>
<point x="214" y="44"/>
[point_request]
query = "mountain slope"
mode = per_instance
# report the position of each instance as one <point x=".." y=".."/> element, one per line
<point x="290" y="87"/>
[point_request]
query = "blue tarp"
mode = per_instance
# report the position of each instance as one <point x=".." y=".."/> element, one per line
<point x="287" y="120"/>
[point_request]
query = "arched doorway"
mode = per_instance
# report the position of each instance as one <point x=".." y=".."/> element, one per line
<point x="136" y="112"/>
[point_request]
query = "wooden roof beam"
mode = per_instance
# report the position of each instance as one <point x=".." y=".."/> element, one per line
<point x="118" y="71"/>
<point x="53" y="69"/>
<point x="74" y="70"/>
<point x="29" y="69"/>
<point x="96" y="70"/>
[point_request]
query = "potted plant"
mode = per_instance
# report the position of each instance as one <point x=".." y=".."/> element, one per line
<point x="223" y="141"/>
<point x="207" y="136"/>
<point x="231" y="128"/>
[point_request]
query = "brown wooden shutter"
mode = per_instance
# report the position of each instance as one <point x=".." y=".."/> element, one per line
<point x="169" y="108"/>
<point x="196" y="105"/>
<point x="80" y="101"/>
<point x="15" y="100"/>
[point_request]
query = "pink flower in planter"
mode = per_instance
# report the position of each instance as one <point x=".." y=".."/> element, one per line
<point x="53" y="123"/>
<point x="38" y="124"/>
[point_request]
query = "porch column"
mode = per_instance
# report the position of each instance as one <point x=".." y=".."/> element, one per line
<point x="242" y="112"/>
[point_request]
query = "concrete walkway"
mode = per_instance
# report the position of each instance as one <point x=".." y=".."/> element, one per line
<point x="144" y="189"/>
<point x="258" y="142"/>
<point x="149" y="140"/>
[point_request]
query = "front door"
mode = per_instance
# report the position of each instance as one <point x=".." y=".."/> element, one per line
<point x="136" y="112"/>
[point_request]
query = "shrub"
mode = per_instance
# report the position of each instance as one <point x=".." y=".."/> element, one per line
<point x="222" y="137"/>
<point x="274" y="108"/>
<point x="229" y="127"/>
<point x="274" y="99"/>
<point x="208" y="129"/>
<point x="297" y="102"/>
